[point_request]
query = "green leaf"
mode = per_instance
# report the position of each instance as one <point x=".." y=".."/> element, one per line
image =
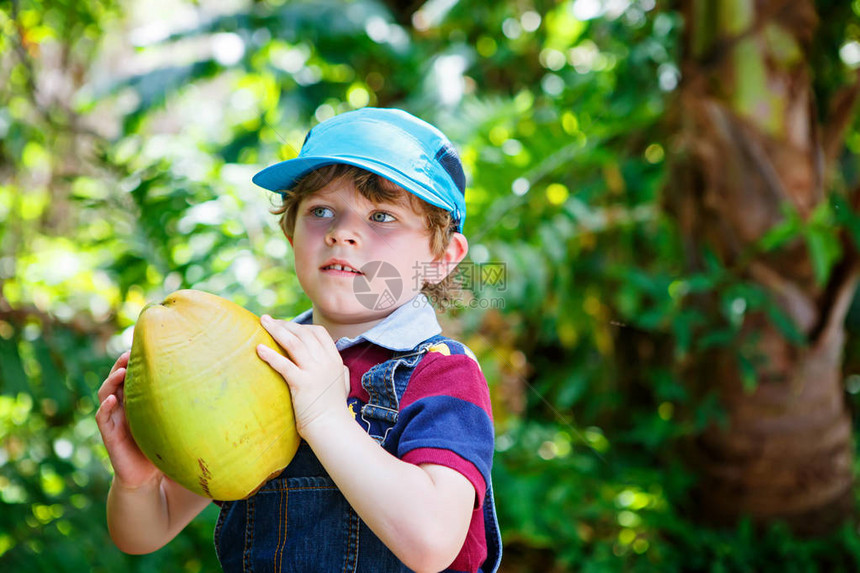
<point x="749" y="377"/>
<point x="784" y="323"/>
<point x="824" y="251"/>
<point x="13" y="379"/>
<point x="782" y="233"/>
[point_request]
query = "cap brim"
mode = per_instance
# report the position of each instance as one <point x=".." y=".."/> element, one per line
<point x="281" y="177"/>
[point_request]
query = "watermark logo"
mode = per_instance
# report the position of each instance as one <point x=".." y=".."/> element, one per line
<point x="479" y="277"/>
<point x="379" y="286"/>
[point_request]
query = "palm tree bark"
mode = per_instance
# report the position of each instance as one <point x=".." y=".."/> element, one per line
<point x="749" y="150"/>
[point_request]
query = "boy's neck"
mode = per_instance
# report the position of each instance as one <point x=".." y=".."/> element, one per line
<point x="338" y="330"/>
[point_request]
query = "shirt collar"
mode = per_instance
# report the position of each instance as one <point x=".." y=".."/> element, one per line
<point x="412" y="323"/>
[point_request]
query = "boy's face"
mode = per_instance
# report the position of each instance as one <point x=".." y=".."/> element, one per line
<point x="356" y="260"/>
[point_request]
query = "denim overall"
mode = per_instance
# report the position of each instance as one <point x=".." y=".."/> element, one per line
<point x="299" y="521"/>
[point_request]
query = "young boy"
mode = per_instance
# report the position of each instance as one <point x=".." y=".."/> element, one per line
<point x="393" y="473"/>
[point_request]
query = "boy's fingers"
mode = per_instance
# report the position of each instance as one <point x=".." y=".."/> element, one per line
<point x="322" y="337"/>
<point x="104" y="414"/>
<point x="276" y="360"/>
<point x="315" y="338"/>
<point x="121" y="362"/>
<point x="286" y="334"/>
<point x="111" y="384"/>
<point x="115" y="378"/>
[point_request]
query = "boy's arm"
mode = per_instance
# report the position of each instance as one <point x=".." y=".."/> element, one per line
<point x="421" y="512"/>
<point x="143" y="519"/>
<point x="145" y="509"/>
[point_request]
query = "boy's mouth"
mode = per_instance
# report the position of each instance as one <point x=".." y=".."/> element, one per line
<point x="343" y="267"/>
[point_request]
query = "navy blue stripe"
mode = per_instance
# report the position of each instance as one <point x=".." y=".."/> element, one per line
<point x="466" y="430"/>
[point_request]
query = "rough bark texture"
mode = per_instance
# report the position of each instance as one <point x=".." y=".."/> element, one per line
<point x="749" y="146"/>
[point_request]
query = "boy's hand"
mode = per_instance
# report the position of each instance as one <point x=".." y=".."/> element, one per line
<point x="315" y="373"/>
<point x="132" y="469"/>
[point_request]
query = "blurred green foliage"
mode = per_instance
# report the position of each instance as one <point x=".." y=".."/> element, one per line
<point x="128" y="135"/>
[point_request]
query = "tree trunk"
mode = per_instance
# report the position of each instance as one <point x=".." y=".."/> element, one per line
<point x="749" y="151"/>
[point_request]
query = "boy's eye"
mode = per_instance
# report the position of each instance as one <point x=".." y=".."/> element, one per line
<point x="321" y="212"/>
<point x="381" y="217"/>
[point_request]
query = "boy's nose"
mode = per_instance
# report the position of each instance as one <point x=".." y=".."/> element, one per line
<point x="336" y="236"/>
<point x="344" y="230"/>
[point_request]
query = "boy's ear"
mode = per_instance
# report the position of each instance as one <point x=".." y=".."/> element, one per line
<point x="458" y="248"/>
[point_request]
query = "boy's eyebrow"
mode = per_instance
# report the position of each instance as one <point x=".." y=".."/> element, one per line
<point x="401" y="199"/>
<point x="401" y="202"/>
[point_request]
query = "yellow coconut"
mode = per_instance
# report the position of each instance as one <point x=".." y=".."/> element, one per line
<point x="199" y="401"/>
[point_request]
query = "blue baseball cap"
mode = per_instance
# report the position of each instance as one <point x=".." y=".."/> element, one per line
<point x="389" y="142"/>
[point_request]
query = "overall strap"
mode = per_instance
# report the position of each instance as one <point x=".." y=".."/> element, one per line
<point x="386" y="383"/>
